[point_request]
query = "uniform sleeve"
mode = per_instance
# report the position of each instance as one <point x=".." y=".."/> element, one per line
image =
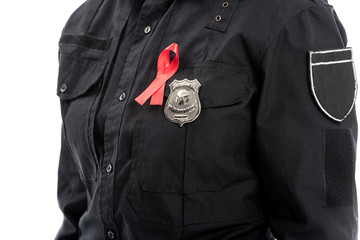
<point x="306" y="159"/>
<point x="71" y="193"/>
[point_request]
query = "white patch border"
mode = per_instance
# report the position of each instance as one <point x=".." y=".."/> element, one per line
<point x="328" y="63"/>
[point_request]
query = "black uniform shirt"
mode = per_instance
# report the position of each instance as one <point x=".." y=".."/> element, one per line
<point x="270" y="153"/>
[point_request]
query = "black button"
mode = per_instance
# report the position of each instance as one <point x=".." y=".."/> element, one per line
<point x="122" y="96"/>
<point x="109" y="168"/>
<point x="111" y="235"/>
<point x="63" y="87"/>
<point x="147" y="29"/>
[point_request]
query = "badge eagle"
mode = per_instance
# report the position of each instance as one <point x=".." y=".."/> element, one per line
<point x="183" y="104"/>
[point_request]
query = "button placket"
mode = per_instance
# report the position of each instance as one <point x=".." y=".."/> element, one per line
<point x="116" y="111"/>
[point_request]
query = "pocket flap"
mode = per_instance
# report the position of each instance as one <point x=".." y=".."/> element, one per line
<point x="221" y="84"/>
<point x="77" y="75"/>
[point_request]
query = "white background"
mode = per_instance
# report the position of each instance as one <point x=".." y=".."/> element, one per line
<point x="30" y="111"/>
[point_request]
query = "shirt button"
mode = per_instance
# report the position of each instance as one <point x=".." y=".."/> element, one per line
<point x="147" y="29"/>
<point x="63" y="87"/>
<point x="122" y="96"/>
<point x="111" y="235"/>
<point x="109" y="168"/>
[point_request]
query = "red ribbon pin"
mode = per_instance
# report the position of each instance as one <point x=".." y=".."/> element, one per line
<point x="165" y="70"/>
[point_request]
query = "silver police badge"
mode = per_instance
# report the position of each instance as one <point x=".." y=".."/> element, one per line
<point x="183" y="104"/>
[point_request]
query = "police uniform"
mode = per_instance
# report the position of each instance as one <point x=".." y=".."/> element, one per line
<point x="207" y="120"/>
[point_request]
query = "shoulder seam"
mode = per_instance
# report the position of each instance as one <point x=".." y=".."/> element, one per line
<point x="261" y="52"/>
<point x="93" y="16"/>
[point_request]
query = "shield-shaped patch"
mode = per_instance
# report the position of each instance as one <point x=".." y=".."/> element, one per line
<point x="333" y="81"/>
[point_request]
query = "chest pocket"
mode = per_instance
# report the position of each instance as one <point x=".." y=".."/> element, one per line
<point x="198" y="157"/>
<point x="79" y="82"/>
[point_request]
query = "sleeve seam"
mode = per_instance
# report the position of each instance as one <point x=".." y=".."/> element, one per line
<point x="278" y="30"/>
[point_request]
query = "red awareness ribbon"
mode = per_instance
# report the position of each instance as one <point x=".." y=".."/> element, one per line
<point x="165" y="70"/>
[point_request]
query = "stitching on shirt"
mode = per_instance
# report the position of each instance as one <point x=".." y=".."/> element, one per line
<point x="86" y="41"/>
<point x="93" y="17"/>
<point x="271" y="36"/>
<point x="225" y="67"/>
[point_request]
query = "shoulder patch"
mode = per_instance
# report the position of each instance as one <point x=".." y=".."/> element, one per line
<point x="333" y="81"/>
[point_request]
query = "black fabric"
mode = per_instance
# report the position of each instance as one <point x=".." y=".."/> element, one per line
<point x="87" y="73"/>
<point x="332" y="56"/>
<point x="110" y="86"/>
<point x="335" y="87"/>
<point x="223" y="14"/>
<point x="339" y="168"/>
<point x="86" y="41"/>
<point x="250" y="167"/>
<point x="269" y="235"/>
